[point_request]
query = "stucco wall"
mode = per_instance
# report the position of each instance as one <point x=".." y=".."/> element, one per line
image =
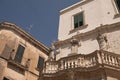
<point x="89" y="44"/>
<point x="96" y="12"/>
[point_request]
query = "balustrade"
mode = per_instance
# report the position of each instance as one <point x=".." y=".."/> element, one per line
<point x="83" y="61"/>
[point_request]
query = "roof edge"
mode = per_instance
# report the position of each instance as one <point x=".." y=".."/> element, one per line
<point x="19" y="30"/>
<point x="74" y="5"/>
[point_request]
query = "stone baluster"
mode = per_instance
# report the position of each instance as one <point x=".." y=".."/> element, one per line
<point x="74" y="65"/>
<point x="78" y="62"/>
<point x="68" y="64"/>
<point x="90" y="62"/>
<point x="65" y="64"/>
<point x="89" y="59"/>
<point x="108" y="59"/>
<point x="112" y="59"/>
<point x="87" y="62"/>
<point x="99" y="56"/>
<point x="82" y="61"/>
<point x="105" y="58"/>
<point x="115" y="61"/>
<point x="93" y="61"/>
<point x="119" y="61"/>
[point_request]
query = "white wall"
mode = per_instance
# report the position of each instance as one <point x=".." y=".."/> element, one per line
<point x="96" y="12"/>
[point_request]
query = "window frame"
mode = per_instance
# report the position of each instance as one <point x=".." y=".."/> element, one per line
<point x="39" y="64"/>
<point x="15" y="59"/>
<point x="118" y="8"/>
<point x="117" y="12"/>
<point x="80" y="27"/>
<point x="4" y="78"/>
<point x="78" y="22"/>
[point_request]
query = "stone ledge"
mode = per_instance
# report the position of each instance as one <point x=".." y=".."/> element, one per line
<point x="79" y="28"/>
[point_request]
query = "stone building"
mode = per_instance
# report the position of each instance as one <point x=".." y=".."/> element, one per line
<point x="88" y="46"/>
<point x="21" y="56"/>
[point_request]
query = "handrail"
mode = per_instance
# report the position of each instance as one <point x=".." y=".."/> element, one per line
<point x="83" y="61"/>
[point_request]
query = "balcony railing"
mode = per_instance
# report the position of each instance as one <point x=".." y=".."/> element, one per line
<point x="83" y="62"/>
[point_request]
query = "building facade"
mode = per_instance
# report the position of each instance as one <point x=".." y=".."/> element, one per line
<point x="21" y="56"/>
<point x="88" y="43"/>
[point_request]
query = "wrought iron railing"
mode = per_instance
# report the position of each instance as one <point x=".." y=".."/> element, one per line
<point x="82" y="61"/>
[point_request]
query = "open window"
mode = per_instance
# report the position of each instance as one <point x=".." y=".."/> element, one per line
<point x="78" y="20"/>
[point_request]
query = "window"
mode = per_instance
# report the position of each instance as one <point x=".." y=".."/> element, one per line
<point x="5" y="78"/>
<point x="40" y="63"/>
<point x="78" y="20"/>
<point x="19" y="54"/>
<point x="118" y="4"/>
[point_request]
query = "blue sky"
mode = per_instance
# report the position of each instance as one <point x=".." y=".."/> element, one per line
<point x="42" y="15"/>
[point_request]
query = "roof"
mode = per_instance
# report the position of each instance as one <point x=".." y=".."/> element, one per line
<point x="74" y="5"/>
<point x="24" y="34"/>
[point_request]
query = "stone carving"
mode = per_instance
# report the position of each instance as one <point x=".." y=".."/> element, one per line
<point x="52" y="54"/>
<point x="74" y="46"/>
<point x="28" y="63"/>
<point x="102" y="41"/>
<point x="58" y="50"/>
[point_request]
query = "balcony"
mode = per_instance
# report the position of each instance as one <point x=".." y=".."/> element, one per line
<point x="82" y="62"/>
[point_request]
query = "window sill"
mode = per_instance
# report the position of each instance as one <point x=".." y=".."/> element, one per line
<point x="117" y="15"/>
<point x="79" y="28"/>
<point x="16" y="67"/>
<point x="38" y="69"/>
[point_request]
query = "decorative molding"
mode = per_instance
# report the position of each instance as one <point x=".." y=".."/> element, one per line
<point x="100" y="28"/>
<point x="25" y="35"/>
<point x="84" y="62"/>
<point x="79" y="28"/>
<point x="74" y="6"/>
<point x="116" y="15"/>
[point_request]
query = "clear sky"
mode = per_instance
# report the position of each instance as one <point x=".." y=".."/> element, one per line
<point x="42" y="15"/>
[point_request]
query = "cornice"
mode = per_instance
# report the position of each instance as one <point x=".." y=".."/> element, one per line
<point x="75" y="5"/>
<point x="100" y="28"/>
<point x="25" y="35"/>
